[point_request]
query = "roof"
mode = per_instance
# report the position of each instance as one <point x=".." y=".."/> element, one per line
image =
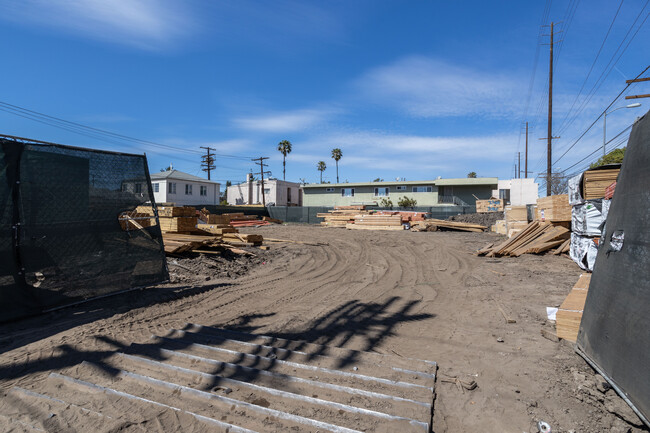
<point x="178" y="175"/>
<point x="441" y="182"/>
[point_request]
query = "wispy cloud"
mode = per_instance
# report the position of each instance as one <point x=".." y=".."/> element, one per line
<point x="287" y="121"/>
<point x="424" y="87"/>
<point x="145" y="24"/>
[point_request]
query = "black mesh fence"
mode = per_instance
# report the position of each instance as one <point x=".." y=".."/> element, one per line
<point x="61" y="238"/>
<point x="307" y="214"/>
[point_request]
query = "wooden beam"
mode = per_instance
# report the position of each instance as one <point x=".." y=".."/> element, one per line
<point x="637" y="80"/>
<point x="638" y="96"/>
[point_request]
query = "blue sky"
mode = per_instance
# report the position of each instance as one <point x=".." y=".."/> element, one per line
<point x="414" y="89"/>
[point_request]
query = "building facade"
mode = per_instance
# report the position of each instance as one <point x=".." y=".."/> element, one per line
<point x="517" y="192"/>
<point x="439" y="192"/>
<point x="184" y="189"/>
<point x="276" y="193"/>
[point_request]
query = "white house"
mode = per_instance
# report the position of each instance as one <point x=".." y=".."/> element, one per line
<point x="276" y="192"/>
<point x="517" y="192"/>
<point x="173" y="186"/>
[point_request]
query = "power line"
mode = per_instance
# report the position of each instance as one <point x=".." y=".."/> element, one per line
<point x="92" y="132"/>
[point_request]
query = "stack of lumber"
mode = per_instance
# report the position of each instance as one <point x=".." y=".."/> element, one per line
<point x="499" y="227"/>
<point x="516" y="218"/>
<point x="240" y="220"/>
<point x="537" y="237"/>
<point x="569" y="315"/>
<point x="554" y="208"/>
<point x="216" y="224"/>
<point x="174" y="219"/>
<point x="407" y="216"/>
<point x="342" y="215"/>
<point x="376" y="222"/>
<point x="491" y="205"/>
<point x="595" y="182"/>
<point x="135" y="220"/>
<point x="433" y="224"/>
<point x="178" y="243"/>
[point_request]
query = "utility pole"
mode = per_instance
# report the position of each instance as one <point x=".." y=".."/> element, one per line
<point x="519" y="163"/>
<point x="262" y="165"/>
<point x="637" y="80"/>
<point x="549" y="134"/>
<point x="208" y="160"/>
<point x="526" y="157"/>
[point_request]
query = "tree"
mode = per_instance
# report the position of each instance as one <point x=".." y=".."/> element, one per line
<point x="613" y="157"/>
<point x="471" y="174"/>
<point x="285" y="148"/>
<point x="379" y="179"/>
<point x="559" y="183"/>
<point x="337" y="154"/>
<point x="406" y="202"/>
<point x="321" y="167"/>
<point x="386" y="202"/>
<point x="228" y="183"/>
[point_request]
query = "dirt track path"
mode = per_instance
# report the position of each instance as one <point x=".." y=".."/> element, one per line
<point x="419" y="295"/>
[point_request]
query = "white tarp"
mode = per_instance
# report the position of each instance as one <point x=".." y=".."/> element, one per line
<point x="575" y="196"/>
<point x="583" y="251"/>
<point x="586" y="219"/>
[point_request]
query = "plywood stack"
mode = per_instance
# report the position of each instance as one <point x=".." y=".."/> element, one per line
<point x="341" y="215"/>
<point x="216" y="224"/>
<point x="554" y="208"/>
<point x="240" y="220"/>
<point x="536" y="238"/>
<point x="595" y="182"/>
<point x="376" y="222"/>
<point x="516" y="218"/>
<point x="569" y="315"/>
<point x="491" y="205"/>
<point x="407" y="216"/>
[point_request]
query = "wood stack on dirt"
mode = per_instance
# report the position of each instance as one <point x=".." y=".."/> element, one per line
<point x="555" y="208"/>
<point x="174" y="219"/>
<point x="376" y="222"/>
<point x="595" y="182"/>
<point x="342" y="215"/>
<point x="569" y="315"/>
<point x="432" y="225"/>
<point x="538" y="237"/>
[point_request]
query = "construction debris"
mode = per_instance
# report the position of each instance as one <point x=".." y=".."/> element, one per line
<point x="491" y="205"/>
<point x="432" y="225"/>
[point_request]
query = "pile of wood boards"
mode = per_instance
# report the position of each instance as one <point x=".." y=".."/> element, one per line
<point x="595" y="182"/>
<point x="240" y="220"/>
<point x="216" y="224"/>
<point x="516" y="219"/>
<point x="554" y="208"/>
<point x="491" y="205"/>
<point x="432" y="225"/>
<point x="178" y="243"/>
<point x="376" y="222"/>
<point x="569" y="315"/>
<point x="174" y="219"/>
<point x="342" y="215"/>
<point x="536" y="238"/>
<point x="407" y="216"/>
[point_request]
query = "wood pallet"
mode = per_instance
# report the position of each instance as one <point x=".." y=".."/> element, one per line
<point x="536" y="238"/>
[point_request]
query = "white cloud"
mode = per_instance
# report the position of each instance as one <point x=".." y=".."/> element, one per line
<point x="146" y="24"/>
<point x="288" y="121"/>
<point x="425" y="87"/>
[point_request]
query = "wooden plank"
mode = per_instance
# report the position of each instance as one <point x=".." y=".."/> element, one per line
<point x="362" y="227"/>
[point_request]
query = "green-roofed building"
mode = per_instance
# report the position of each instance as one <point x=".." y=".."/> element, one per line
<point x="438" y="192"/>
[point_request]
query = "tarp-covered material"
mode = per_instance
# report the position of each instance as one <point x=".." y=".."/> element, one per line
<point x="586" y="218"/>
<point x="614" y="334"/>
<point x="60" y="237"/>
<point x="583" y="251"/>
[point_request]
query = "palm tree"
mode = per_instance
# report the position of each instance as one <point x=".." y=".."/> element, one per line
<point x="337" y="154"/>
<point x="321" y="167"/>
<point x="285" y="148"/>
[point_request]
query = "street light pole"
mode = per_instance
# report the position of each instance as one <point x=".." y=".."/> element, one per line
<point x="605" y="122"/>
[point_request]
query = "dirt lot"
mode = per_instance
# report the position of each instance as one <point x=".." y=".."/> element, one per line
<point x="421" y="295"/>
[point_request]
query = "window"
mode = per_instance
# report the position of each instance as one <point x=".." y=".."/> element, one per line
<point x="329" y="189"/>
<point x="171" y="188"/>
<point x="156" y="187"/>
<point x="401" y="188"/>
<point x="347" y="192"/>
<point x="138" y="188"/>
<point x="422" y="189"/>
<point x="381" y="192"/>
<point x="267" y="191"/>
<point x="188" y="189"/>
<point x="204" y="190"/>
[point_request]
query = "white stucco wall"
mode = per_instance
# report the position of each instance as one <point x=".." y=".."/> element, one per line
<point x="182" y="199"/>
<point x="277" y="193"/>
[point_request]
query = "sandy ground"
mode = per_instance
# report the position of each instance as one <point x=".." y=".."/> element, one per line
<point x="421" y="295"/>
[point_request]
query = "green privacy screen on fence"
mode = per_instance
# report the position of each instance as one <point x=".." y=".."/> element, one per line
<point x="60" y="237"/>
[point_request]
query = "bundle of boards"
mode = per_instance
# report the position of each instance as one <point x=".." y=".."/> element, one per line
<point x="536" y="238"/>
